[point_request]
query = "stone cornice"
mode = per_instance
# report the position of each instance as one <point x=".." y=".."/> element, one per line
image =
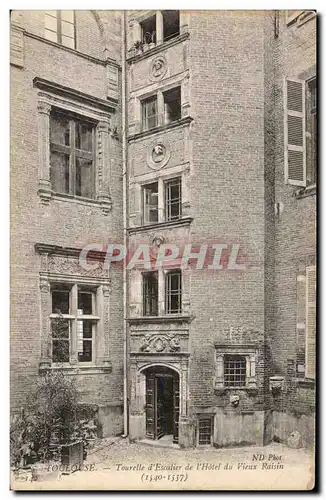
<point x="160" y="319"/>
<point x="44" y="248"/>
<point x="158" y="48"/>
<point x="161" y="129"/>
<point x="75" y="95"/>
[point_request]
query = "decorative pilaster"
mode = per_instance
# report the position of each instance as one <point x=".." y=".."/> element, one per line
<point x="106" y="292"/>
<point x="103" y="173"/>
<point x="44" y="109"/>
<point x="185" y="96"/>
<point x="159" y="27"/>
<point x="45" y="361"/>
<point x="219" y="380"/>
<point x="184" y="396"/>
<point x="160" y="107"/>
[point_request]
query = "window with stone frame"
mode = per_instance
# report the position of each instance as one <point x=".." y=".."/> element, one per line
<point x="172" y="199"/>
<point x="235" y="371"/>
<point x="311" y="130"/>
<point x="148" y="30"/>
<point x="73" y="323"/>
<point x="173" y="292"/>
<point x="150" y="293"/>
<point x="171" y="24"/>
<point x="150" y="203"/>
<point x="172" y="104"/>
<point x="235" y="366"/>
<point x="306" y="323"/>
<point x="60" y="27"/>
<point x="205" y="430"/>
<point x="149" y="113"/>
<point x="72" y="160"/>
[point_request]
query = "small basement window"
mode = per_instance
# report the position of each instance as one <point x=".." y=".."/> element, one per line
<point x="148" y="30"/>
<point x="172" y="105"/>
<point x="171" y="24"/>
<point x="205" y="428"/>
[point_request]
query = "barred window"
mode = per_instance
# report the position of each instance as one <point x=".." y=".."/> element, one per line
<point x="205" y="431"/>
<point x="150" y="293"/>
<point x="234" y="371"/>
<point x="172" y="193"/>
<point x="173" y="292"/>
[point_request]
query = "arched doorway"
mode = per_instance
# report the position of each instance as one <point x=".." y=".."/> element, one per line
<point x="162" y="403"/>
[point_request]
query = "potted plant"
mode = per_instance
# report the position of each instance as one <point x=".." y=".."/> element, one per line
<point x="138" y="45"/>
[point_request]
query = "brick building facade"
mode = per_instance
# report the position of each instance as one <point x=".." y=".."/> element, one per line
<point x="167" y="128"/>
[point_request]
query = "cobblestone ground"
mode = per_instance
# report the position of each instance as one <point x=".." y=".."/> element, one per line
<point x="116" y="464"/>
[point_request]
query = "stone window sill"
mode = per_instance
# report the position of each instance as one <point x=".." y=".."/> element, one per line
<point x="69" y="369"/>
<point x="161" y="128"/>
<point x="161" y="225"/>
<point x="306" y="191"/>
<point x="105" y="204"/>
<point x="306" y="382"/>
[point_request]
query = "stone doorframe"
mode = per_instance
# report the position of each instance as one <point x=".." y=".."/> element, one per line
<point x="137" y="406"/>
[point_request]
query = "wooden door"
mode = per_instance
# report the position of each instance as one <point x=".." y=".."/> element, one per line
<point x="150" y="406"/>
<point x="176" y="405"/>
<point x="159" y="407"/>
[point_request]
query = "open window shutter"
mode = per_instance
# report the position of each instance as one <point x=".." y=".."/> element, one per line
<point x="311" y="322"/>
<point x="294" y="132"/>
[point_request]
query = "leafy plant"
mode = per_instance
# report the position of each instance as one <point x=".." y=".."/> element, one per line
<point x="139" y="45"/>
<point x="52" y="420"/>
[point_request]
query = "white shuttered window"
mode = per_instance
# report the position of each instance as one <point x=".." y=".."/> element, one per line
<point x="294" y="132"/>
<point x="311" y="322"/>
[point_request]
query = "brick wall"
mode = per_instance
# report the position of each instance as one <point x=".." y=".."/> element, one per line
<point x="295" y="228"/>
<point x="63" y="223"/>
<point x="227" y="185"/>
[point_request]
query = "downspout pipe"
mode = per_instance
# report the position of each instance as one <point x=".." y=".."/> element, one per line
<point x="125" y="222"/>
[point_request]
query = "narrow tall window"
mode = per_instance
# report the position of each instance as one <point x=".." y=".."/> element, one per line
<point x="150" y="199"/>
<point x="149" y="113"/>
<point x="150" y="293"/>
<point x="205" y="430"/>
<point x="171" y="24"/>
<point x="172" y="105"/>
<point x="148" y="30"/>
<point x="72" y="155"/>
<point x="85" y="324"/>
<point x="60" y="27"/>
<point x="311" y="129"/>
<point x="172" y="194"/>
<point x="61" y="324"/>
<point x="173" y="292"/>
<point x="234" y="371"/>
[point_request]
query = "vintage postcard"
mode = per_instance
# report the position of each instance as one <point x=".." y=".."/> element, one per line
<point x="163" y="249"/>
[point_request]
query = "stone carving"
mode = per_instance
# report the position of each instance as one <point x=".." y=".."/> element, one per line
<point x="158" y="154"/>
<point x="167" y="342"/>
<point x="158" y="68"/>
<point x="239" y="334"/>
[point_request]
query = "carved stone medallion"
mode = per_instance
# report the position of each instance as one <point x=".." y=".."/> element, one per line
<point x="157" y="68"/>
<point x="158" y="154"/>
